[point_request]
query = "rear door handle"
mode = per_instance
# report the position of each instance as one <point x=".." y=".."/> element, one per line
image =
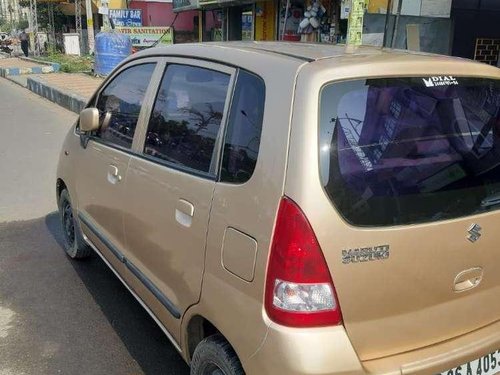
<point x="113" y="174"/>
<point x="468" y="279"/>
<point x="184" y="212"/>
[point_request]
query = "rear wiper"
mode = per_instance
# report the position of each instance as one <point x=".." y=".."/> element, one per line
<point x="491" y="200"/>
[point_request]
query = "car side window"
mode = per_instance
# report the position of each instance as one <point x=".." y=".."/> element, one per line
<point x="120" y="103"/>
<point x="242" y="141"/>
<point x="186" y="116"/>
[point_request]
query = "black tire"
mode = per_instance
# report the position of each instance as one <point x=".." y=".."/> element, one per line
<point x="214" y="356"/>
<point x="74" y="244"/>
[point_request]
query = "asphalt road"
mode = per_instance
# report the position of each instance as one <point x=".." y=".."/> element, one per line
<point x="59" y="316"/>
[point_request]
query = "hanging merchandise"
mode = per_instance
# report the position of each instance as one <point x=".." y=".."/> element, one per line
<point x="313" y="18"/>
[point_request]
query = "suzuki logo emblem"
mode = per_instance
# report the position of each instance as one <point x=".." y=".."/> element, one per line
<point x="474" y="233"/>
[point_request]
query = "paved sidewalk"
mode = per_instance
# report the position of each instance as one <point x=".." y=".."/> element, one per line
<point x="72" y="91"/>
<point x="12" y="66"/>
<point x="15" y="62"/>
<point x="80" y="84"/>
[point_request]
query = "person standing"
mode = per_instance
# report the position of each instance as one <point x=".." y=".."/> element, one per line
<point x="23" y="37"/>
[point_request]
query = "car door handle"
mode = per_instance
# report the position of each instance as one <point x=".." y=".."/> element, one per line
<point x="113" y="174"/>
<point x="468" y="279"/>
<point x="184" y="212"/>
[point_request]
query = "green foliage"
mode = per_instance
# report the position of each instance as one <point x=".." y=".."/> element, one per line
<point x="43" y="16"/>
<point x="70" y="64"/>
<point x="22" y="25"/>
<point x="5" y="25"/>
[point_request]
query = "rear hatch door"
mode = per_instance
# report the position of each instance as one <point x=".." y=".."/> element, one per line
<point x="410" y="168"/>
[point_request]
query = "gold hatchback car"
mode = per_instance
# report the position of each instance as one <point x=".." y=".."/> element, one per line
<point x="284" y="208"/>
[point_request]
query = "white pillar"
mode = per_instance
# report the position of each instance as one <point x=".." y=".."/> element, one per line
<point x="90" y="25"/>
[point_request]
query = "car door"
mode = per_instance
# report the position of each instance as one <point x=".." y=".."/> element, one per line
<point x="102" y="164"/>
<point x="170" y="186"/>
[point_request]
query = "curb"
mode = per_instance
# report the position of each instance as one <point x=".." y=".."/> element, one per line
<point x="70" y="101"/>
<point x="46" y="68"/>
<point x="55" y="66"/>
<point x="17" y="80"/>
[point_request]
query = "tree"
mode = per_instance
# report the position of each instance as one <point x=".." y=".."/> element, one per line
<point x="4" y="25"/>
<point x="43" y="14"/>
<point x="22" y="24"/>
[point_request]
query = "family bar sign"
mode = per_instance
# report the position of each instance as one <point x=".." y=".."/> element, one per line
<point x="126" y="17"/>
<point x="147" y="36"/>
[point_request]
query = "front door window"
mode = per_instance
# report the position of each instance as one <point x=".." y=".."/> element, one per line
<point x="120" y="103"/>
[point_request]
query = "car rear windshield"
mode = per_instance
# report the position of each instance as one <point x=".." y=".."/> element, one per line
<point x="410" y="150"/>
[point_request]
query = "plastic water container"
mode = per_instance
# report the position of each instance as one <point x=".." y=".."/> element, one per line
<point x="110" y="50"/>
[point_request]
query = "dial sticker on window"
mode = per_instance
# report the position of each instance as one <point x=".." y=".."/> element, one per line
<point x="440" y="81"/>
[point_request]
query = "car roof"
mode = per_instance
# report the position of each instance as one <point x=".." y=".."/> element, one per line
<point x="294" y="57"/>
<point x="307" y="52"/>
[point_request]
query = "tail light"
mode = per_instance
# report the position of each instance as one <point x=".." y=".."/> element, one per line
<point x="299" y="288"/>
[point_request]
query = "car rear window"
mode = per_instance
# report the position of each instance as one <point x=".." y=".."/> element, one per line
<point x="410" y="150"/>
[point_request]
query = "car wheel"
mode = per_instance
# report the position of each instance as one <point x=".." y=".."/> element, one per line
<point x="214" y="356"/>
<point x="74" y="244"/>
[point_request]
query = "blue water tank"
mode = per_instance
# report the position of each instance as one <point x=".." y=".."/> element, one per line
<point x="110" y="49"/>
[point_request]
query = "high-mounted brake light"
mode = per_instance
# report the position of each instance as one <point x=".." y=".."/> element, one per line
<point x="299" y="288"/>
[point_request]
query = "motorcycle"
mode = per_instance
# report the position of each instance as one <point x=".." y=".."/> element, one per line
<point x="5" y="43"/>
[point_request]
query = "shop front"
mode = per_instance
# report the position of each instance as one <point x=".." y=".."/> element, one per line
<point x="312" y="21"/>
<point x="466" y="28"/>
<point x="289" y="20"/>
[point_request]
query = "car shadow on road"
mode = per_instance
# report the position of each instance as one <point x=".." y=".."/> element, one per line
<point x="142" y="337"/>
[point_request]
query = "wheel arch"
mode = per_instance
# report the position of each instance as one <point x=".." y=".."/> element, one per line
<point x="197" y="329"/>
<point x="60" y="186"/>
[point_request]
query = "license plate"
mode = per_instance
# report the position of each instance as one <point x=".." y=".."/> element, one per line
<point x="487" y="365"/>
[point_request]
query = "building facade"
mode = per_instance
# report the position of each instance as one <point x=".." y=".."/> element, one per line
<point x="465" y="28"/>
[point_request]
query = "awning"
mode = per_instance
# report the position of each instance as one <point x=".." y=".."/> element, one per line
<point x="68" y="9"/>
<point x="182" y="5"/>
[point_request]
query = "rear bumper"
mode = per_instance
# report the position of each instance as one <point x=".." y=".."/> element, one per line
<point x="294" y="351"/>
<point x="325" y="351"/>
<point x="442" y="356"/>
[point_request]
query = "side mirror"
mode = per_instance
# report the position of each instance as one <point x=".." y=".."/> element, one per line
<point x="89" y="120"/>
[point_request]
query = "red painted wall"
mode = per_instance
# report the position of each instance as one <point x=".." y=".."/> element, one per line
<point x="161" y="14"/>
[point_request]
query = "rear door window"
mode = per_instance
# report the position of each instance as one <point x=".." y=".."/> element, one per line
<point x="410" y="150"/>
<point x="187" y="116"/>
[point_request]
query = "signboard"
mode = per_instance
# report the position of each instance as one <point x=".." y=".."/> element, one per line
<point x="377" y="6"/>
<point x="147" y="36"/>
<point x="424" y="8"/>
<point x="178" y="5"/>
<point x="247" y="25"/>
<point x="355" y="25"/>
<point x="126" y="17"/>
<point x="264" y="20"/>
<point x="71" y="44"/>
<point x="345" y="8"/>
